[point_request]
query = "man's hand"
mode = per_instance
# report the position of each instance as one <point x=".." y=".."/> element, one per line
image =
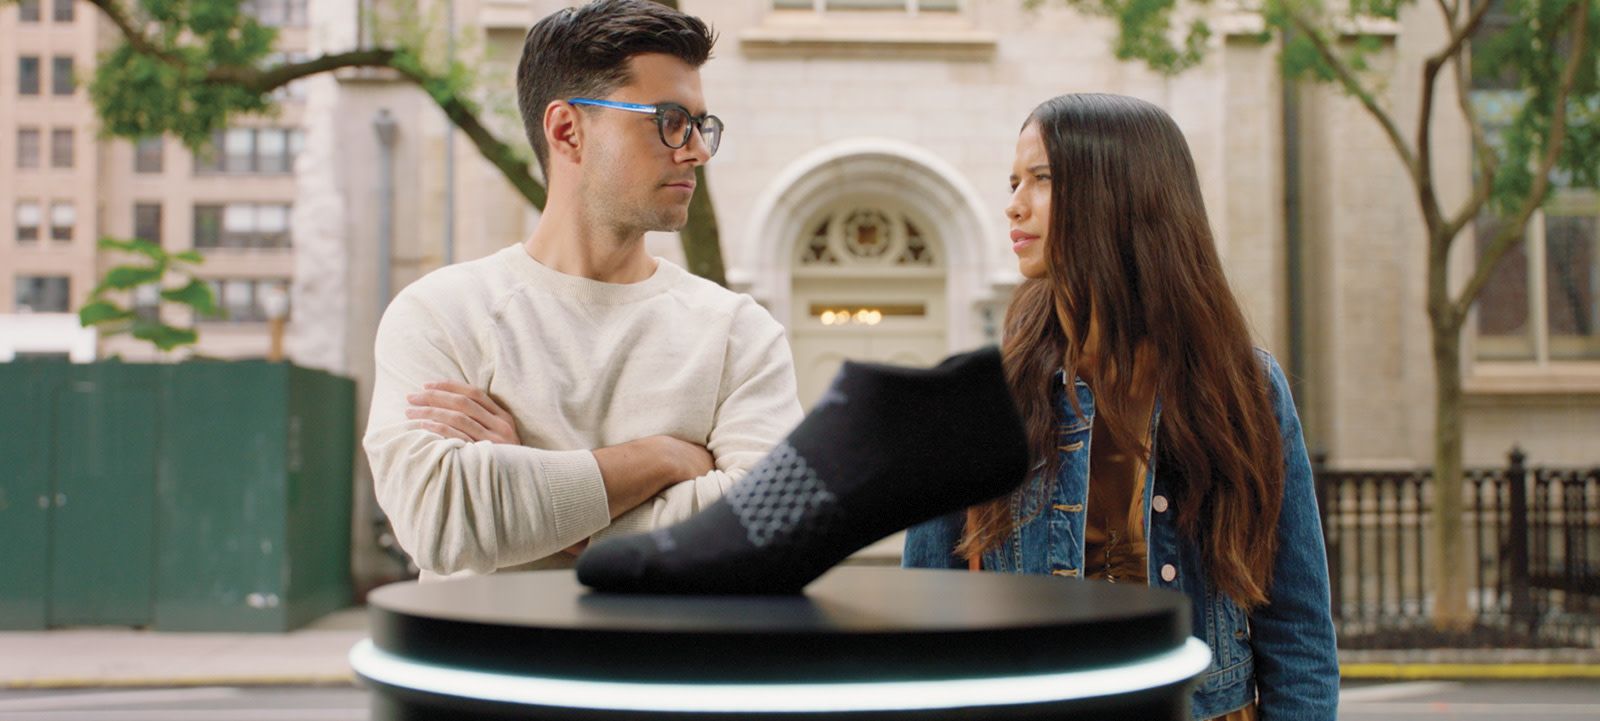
<point x="691" y="460"/>
<point x="457" y="410"/>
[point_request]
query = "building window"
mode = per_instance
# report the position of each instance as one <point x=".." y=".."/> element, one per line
<point x="245" y="300"/>
<point x="241" y="225"/>
<point x="147" y="302"/>
<point x="906" y="6"/>
<point x="61" y="147"/>
<point x="62" y="81"/>
<point x="28" y="75"/>
<point x="43" y="294"/>
<point x="65" y="10"/>
<point x="28" y="11"/>
<point x="251" y="150"/>
<point x="147" y="222"/>
<point x="147" y="154"/>
<point x="1542" y="301"/>
<point x="63" y="216"/>
<point x="27" y="148"/>
<point x="28" y="220"/>
<point x="276" y="13"/>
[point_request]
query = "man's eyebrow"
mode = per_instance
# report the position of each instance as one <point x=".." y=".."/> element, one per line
<point x="692" y="111"/>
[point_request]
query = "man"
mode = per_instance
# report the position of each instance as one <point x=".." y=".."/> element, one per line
<point x="572" y="386"/>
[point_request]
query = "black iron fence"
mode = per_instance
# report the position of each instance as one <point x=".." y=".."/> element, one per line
<point x="1534" y="571"/>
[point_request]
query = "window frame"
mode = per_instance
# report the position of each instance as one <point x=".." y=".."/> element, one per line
<point x="38" y="215"/>
<point x="30" y="85"/>
<point x="63" y="69"/>
<point x="142" y="149"/>
<point x="63" y="155"/>
<point x="37" y="156"/>
<point x="1562" y="203"/>
<point x="24" y="281"/>
<point x="71" y="226"/>
<point x="160" y="212"/>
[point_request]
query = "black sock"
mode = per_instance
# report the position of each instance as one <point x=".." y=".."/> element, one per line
<point x="885" y="448"/>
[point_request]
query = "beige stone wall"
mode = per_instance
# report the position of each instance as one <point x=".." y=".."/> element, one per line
<point x="45" y="184"/>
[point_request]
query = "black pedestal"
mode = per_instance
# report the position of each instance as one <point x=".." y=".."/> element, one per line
<point x="862" y="643"/>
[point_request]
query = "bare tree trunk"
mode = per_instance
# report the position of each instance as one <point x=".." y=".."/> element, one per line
<point x="1451" y="570"/>
<point x="702" y="242"/>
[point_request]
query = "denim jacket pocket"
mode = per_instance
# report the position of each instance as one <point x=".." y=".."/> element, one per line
<point x="1233" y="631"/>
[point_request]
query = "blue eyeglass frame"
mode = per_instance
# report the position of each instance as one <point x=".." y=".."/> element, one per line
<point x="696" y="122"/>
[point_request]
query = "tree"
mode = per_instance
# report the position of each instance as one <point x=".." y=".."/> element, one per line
<point x="1546" y="49"/>
<point x="158" y="264"/>
<point x="186" y="67"/>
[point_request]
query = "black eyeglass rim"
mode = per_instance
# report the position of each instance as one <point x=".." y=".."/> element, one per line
<point x="695" y="123"/>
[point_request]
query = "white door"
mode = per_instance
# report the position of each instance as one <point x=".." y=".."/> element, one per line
<point x="869" y="285"/>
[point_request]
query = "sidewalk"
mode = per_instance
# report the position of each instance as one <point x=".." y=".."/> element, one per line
<point x="109" y="657"/>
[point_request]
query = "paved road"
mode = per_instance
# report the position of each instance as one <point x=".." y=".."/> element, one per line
<point x="1434" y="701"/>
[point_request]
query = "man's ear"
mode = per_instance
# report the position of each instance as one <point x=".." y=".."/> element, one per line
<point x="563" y="134"/>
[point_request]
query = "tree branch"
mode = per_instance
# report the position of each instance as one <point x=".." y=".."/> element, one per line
<point x="270" y="79"/>
<point x="1488" y="161"/>
<point x="1347" y="78"/>
<point x="136" y="38"/>
<point x="496" y="152"/>
<point x="1433" y="215"/>
<point x="1512" y="233"/>
<point x="257" y="80"/>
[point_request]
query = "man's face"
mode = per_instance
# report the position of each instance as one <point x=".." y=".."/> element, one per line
<point x="630" y="179"/>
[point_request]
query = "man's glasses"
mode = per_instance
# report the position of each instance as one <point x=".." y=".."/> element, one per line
<point x="672" y="119"/>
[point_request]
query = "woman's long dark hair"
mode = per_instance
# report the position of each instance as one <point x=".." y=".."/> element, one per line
<point x="1129" y="243"/>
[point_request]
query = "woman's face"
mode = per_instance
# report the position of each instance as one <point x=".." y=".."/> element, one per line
<point x="1029" y="209"/>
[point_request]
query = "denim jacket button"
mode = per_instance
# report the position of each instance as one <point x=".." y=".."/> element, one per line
<point x="1159" y="503"/>
<point x="1168" y="572"/>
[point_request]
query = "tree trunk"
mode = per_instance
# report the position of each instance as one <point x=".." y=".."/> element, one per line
<point x="702" y="242"/>
<point x="1450" y="554"/>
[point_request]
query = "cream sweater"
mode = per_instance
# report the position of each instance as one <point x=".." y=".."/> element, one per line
<point x="581" y="365"/>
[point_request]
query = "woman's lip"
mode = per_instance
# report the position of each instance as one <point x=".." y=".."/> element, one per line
<point x="1017" y="246"/>
<point x="1018" y="235"/>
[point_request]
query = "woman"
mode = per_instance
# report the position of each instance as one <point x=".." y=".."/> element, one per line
<point x="1167" y="450"/>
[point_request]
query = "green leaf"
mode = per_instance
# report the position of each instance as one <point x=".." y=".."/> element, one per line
<point x="136" y="245"/>
<point x="102" y="311"/>
<point x="124" y="277"/>
<point x="189" y="256"/>
<point x="164" y="336"/>
<point x="197" y="295"/>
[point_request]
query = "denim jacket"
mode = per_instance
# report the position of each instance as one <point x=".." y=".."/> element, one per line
<point x="1282" y="654"/>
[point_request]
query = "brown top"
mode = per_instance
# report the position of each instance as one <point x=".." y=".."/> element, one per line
<point x="1113" y="533"/>
<point x="1247" y="713"/>
<point x="1113" y="529"/>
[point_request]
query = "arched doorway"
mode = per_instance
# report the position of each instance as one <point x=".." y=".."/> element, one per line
<point x="804" y="246"/>
<point x="868" y="284"/>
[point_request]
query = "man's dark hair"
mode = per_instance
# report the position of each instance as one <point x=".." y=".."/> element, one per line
<point x="584" y="52"/>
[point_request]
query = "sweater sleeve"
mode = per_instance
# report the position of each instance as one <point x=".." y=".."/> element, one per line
<point x="757" y="406"/>
<point x="459" y="506"/>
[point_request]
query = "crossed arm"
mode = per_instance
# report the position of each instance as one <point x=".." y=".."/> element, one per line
<point x="464" y="495"/>
<point x="633" y="472"/>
